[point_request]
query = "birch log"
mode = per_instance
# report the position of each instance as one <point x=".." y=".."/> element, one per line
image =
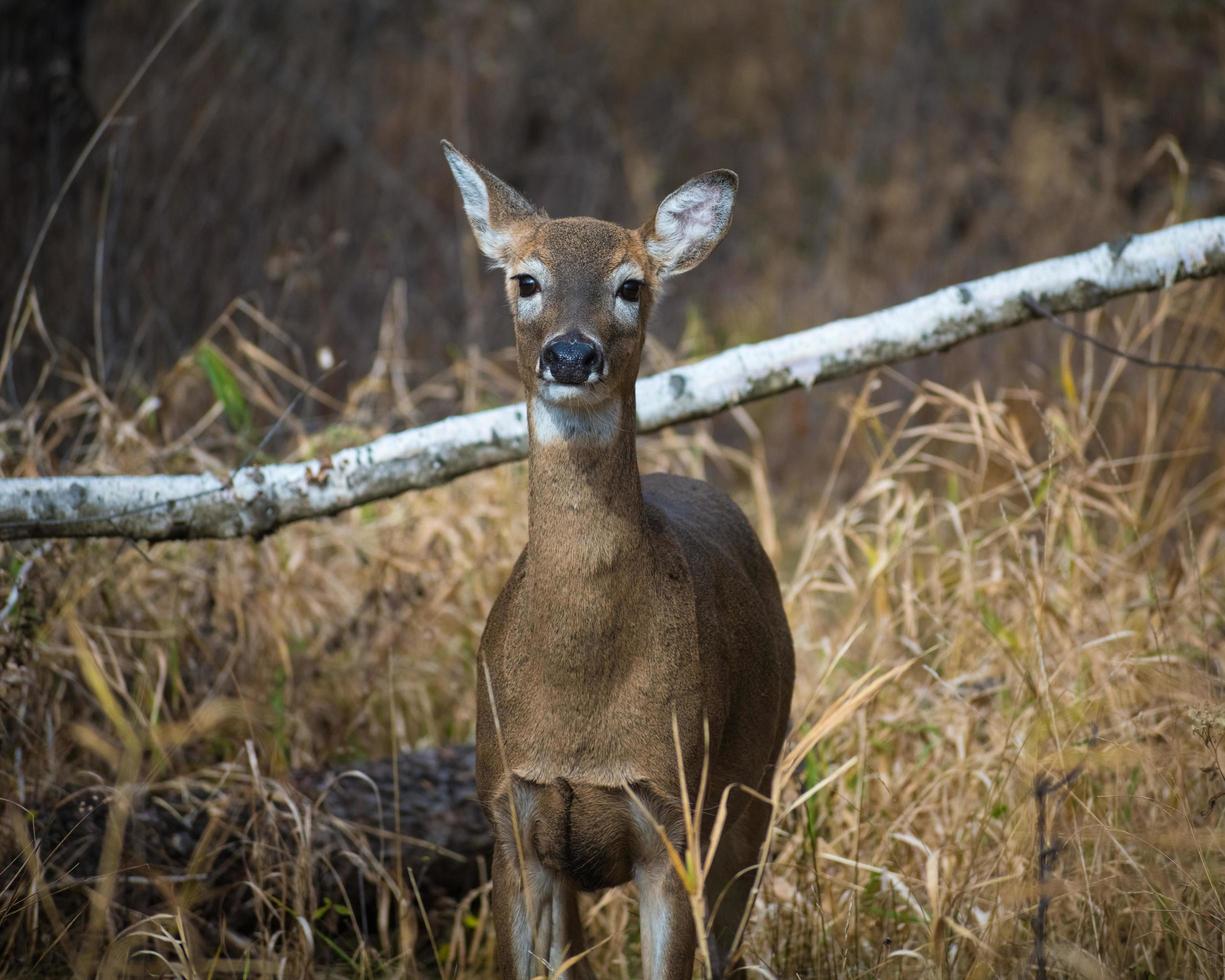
<point x="259" y="499"/>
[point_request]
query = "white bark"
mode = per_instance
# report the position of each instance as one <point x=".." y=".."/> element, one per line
<point x="260" y="499"/>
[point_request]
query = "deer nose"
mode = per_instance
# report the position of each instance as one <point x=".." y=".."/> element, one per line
<point x="571" y="358"/>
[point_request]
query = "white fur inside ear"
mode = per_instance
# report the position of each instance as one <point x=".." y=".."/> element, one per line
<point x="475" y="195"/>
<point x="691" y="221"/>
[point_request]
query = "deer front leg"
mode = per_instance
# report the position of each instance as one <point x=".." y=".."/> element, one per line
<point x="535" y="913"/>
<point x="665" y="921"/>
<point x="510" y="917"/>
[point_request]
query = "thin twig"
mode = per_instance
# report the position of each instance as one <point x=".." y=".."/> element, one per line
<point x="1044" y="786"/>
<point x="1149" y="362"/>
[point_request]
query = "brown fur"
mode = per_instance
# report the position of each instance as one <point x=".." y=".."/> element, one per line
<point x="636" y="601"/>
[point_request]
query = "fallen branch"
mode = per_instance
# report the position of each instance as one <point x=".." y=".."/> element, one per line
<point x="259" y="499"/>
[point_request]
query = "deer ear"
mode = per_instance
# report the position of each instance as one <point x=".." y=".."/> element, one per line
<point x="494" y="208"/>
<point x="690" y="222"/>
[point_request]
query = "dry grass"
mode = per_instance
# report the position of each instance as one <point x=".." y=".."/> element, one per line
<point x="1049" y="563"/>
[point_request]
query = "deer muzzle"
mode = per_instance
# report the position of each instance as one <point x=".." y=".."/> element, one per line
<point x="572" y="359"/>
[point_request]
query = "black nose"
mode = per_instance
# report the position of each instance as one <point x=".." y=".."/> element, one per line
<point x="571" y="358"/>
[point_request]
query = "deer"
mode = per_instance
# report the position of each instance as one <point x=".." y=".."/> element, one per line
<point x="638" y="660"/>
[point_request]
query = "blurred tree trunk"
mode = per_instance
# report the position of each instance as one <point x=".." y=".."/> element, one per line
<point x="47" y="116"/>
<point x="45" y="120"/>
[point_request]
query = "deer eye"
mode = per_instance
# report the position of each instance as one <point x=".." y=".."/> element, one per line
<point x="527" y="286"/>
<point x="630" y="290"/>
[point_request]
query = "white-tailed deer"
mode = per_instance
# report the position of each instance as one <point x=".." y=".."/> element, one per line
<point x="641" y="640"/>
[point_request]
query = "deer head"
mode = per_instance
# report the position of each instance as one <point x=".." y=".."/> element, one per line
<point x="581" y="290"/>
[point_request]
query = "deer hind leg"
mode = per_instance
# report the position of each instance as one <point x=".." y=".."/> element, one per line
<point x="729" y="885"/>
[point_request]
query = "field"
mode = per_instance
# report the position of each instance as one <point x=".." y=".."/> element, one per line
<point x="1004" y="566"/>
<point x="1008" y="611"/>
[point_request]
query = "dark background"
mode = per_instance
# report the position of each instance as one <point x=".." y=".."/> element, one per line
<point x="285" y="152"/>
<point x="288" y="153"/>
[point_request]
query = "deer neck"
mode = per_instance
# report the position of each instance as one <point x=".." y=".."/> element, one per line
<point x="585" y="510"/>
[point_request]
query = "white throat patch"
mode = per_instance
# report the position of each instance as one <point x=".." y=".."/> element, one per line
<point x="589" y="426"/>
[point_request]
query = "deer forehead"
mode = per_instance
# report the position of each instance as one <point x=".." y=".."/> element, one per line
<point x="579" y="251"/>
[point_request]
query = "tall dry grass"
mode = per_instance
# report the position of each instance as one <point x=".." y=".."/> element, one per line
<point x="1041" y="565"/>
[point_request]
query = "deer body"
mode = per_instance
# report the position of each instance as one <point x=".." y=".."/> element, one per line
<point x="641" y="637"/>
